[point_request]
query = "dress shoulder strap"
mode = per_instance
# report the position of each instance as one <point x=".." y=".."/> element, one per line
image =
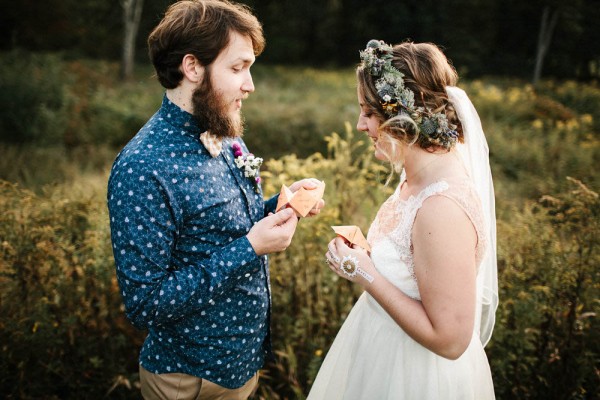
<point x="464" y="194"/>
<point x="410" y="208"/>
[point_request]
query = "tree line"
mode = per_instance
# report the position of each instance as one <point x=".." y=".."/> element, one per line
<point x="548" y="38"/>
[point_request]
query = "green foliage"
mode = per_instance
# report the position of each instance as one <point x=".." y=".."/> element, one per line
<point x="47" y="101"/>
<point x="63" y="330"/>
<point x="35" y="167"/>
<point x="330" y="33"/>
<point x="310" y="303"/>
<point x="118" y="113"/>
<point x="32" y="98"/>
<point x="104" y="111"/>
<point x="293" y="108"/>
<point x="575" y="96"/>
<point x="534" y="139"/>
<point x="546" y="341"/>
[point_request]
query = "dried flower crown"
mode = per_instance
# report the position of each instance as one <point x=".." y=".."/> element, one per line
<point x="398" y="100"/>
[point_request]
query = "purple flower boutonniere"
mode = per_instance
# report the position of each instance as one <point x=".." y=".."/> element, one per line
<point x="249" y="164"/>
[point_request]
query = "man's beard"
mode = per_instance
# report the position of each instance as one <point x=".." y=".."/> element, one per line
<point x="210" y="110"/>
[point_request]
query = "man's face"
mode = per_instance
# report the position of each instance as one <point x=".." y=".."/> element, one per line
<point x="217" y="101"/>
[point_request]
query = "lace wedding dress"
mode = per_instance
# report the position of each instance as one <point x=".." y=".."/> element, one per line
<point x="372" y="358"/>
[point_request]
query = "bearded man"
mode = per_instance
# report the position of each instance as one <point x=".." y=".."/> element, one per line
<point x="189" y="226"/>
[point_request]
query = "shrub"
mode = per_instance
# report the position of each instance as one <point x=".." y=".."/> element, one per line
<point x="535" y="141"/>
<point x="63" y="331"/>
<point x="117" y="114"/>
<point x="47" y="101"/>
<point x="33" y="101"/>
<point x="34" y="167"/>
<point x="583" y="97"/>
<point x="105" y="111"/>
<point x="546" y="339"/>
<point x="309" y="302"/>
<point x="294" y="108"/>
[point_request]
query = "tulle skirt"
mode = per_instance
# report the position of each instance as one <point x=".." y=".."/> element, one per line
<point x="372" y="358"/>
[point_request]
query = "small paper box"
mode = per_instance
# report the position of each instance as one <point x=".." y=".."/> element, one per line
<point x="302" y="201"/>
<point x="353" y="234"/>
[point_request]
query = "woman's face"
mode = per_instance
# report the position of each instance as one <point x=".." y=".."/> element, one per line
<point x="369" y="123"/>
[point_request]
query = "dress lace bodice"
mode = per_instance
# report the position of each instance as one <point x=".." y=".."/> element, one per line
<point x="391" y="231"/>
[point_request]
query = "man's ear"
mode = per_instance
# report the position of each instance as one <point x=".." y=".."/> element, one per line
<point x="191" y="69"/>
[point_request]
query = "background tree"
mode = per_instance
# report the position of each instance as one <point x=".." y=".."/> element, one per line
<point x="549" y="20"/>
<point x="132" y="14"/>
<point x="482" y="37"/>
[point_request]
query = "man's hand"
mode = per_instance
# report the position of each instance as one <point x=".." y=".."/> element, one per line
<point x="273" y="233"/>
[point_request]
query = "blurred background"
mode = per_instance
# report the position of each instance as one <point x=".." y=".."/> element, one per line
<point x="76" y="85"/>
<point x="482" y="37"/>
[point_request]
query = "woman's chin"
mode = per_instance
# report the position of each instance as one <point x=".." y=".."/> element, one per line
<point x="379" y="155"/>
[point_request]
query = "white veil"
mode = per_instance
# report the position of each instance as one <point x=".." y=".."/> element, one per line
<point x="475" y="155"/>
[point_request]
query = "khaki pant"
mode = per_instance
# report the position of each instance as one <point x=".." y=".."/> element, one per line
<point x="180" y="386"/>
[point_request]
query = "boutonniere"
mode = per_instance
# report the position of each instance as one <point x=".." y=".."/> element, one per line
<point x="249" y="164"/>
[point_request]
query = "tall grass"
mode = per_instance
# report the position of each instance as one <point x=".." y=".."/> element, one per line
<point x="293" y="109"/>
<point x="63" y="332"/>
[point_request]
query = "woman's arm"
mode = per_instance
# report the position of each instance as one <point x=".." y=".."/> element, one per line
<point x="444" y="241"/>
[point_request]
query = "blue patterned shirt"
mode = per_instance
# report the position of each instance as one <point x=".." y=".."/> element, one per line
<point x="186" y="270"/>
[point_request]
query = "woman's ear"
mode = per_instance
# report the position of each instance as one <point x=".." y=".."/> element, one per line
<point x="191" y="69"/>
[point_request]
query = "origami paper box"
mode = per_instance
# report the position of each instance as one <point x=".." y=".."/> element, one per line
<point x="301" y="201"/>
<point x="352" y="234"/>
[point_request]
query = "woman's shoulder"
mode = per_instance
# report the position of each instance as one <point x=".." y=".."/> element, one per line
<point x="452" y="197"/>
<point x="462" y="190"/>
<point x="460" y="201"/>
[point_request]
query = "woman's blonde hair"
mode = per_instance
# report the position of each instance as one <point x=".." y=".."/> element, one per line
<point x="427" y="72"/>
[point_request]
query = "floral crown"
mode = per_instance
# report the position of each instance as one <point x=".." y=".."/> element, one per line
<point x="397" y="99"/>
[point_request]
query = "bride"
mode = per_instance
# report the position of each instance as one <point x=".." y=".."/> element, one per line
<point x="431" y="292"/>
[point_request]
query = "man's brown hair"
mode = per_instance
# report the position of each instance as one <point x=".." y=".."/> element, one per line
<point x="201" y="28"/>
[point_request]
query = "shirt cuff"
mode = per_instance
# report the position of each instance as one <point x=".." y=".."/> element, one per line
<point x="271" y="204"/>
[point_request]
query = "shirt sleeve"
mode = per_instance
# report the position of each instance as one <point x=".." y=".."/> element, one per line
<point x="144" y="220"/>
<point x="271" y="204"/>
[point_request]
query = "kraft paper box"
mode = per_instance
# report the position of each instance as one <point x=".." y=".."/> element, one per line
<point x="353" y="234"/>
<point x="302" y="201"/>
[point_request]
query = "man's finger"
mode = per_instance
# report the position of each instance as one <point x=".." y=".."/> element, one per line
<point x="310" y="183"/>
<point x="290" y="222"/>
<point x="283" y="216"/>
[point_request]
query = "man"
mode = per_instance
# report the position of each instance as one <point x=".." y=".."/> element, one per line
<point x="189" y="226"/>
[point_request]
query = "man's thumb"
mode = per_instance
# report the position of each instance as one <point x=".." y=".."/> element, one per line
<point x="284" y="216"/>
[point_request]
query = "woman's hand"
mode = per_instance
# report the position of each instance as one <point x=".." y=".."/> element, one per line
<point x="351" y="263"/>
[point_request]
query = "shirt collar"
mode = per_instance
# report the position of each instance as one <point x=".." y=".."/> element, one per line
<point x="179" y="118"/>
<point x="182" y="119"/>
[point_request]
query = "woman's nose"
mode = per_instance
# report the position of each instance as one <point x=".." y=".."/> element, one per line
<point x="361" y="125"/>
